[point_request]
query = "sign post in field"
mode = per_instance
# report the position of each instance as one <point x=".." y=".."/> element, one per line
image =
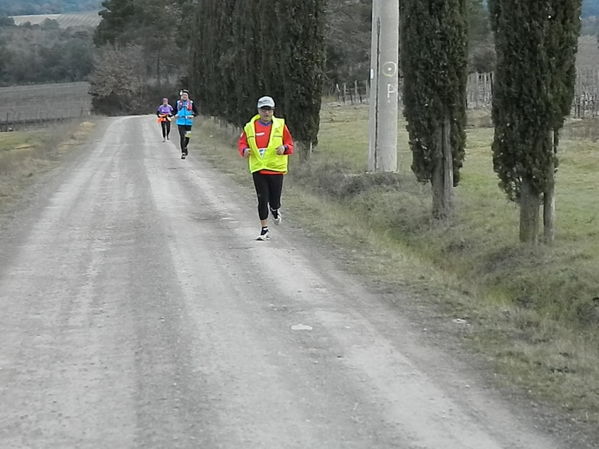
<point x="382" y="148"/>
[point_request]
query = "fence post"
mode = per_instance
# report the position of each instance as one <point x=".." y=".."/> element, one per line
<point x="477" y="88"/>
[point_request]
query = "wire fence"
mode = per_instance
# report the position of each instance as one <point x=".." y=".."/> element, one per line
<point x="356" y="92"/>
<point x="479" y="92"/>
<point x="586" y="99"/>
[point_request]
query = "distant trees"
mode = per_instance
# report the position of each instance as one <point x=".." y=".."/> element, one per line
<point x="44" y="53"/>
<point x="152" y="25"/>
<point x="536" y="44"/>
<point x="6" y="21"/>
<point x="117" y="83"/>
<point x="347" y="39"/>
<point x="434" y="64"/>
<point x="480" y="39"/>
<point x="158" y="31"/>
<point x="117" y="17"/>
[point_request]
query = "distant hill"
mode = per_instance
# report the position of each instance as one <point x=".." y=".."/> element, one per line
<point x="23" y="7"/>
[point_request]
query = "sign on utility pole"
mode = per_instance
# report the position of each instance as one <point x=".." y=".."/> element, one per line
<point x="382" y="149"/>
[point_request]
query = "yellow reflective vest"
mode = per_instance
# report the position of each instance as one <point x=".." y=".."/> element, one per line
<point x="266" y="158"/>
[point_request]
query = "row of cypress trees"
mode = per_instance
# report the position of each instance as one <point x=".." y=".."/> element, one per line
<point x="244" y="50"/>
<point x="536" y="44"/>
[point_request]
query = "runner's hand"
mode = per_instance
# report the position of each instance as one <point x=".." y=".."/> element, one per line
<point x="246" y="153"/>
<point x="281" y="150"/>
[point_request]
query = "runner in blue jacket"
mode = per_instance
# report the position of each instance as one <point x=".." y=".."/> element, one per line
<point x="186" y="111"/>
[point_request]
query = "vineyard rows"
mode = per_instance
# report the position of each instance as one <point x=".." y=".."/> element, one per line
<point x="43" y="102"/>
<point x="86" y="19"/>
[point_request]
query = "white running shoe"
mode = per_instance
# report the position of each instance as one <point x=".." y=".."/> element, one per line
<point x="276" y="216"/>
<point x="264" y="235"/>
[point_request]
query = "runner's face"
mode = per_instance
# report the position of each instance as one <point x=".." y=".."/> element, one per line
<point x="184" y="97"/>
<point x="266" y="114"/>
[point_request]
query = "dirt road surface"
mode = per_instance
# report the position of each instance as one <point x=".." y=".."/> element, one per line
<point x="138" y="311"/>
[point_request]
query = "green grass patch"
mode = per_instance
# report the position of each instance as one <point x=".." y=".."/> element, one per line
<point x="532" y="312"/>
<point x="480" y="244"/>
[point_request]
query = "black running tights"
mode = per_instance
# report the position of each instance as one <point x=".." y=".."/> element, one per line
<point x="268" y="189"/>
<point x="166" y="128"/>
<point x="183" y="134"/>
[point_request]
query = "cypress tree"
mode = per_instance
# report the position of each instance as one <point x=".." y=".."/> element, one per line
<point x="227" y="56"/>
<point x="203" y="77"/>
<point x="536" y="43"/>
<point x="294" y="67"/>
<point x="274" y="49"/>
<point x="433" y="37"/>
<point x="215" y="57"/>
<point x="250" y="41"/>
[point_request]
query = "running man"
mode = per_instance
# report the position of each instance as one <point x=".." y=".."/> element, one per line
<point x="186" y="111"/>
<point x="266" y="143"/>
<point x="164" y="113"/>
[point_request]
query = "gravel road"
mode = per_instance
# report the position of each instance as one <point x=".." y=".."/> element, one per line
<point x="138" y="311"/>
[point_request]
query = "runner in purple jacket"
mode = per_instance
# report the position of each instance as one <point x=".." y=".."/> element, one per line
<point x="164" y="113"/>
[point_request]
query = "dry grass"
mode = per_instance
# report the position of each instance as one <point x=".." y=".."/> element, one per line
<point x="26" y="154"/>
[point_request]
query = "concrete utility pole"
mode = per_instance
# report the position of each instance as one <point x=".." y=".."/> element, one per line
<point x="382" y="151"/>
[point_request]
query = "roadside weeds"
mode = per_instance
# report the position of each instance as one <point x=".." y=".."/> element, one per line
<point x="25" y="155"/>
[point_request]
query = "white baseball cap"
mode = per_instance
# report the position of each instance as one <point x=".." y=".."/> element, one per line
<point x="266" y="102"/>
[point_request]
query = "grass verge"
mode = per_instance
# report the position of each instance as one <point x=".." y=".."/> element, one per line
<point x="533" y="314"/>
<point x="26" y="154"/>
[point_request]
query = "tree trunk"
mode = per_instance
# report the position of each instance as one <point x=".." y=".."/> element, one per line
<point x="304" y="150"/>
<point x="529" y="214"/>
<point x="549" y="201"/>
<point x="442" y="178"/>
